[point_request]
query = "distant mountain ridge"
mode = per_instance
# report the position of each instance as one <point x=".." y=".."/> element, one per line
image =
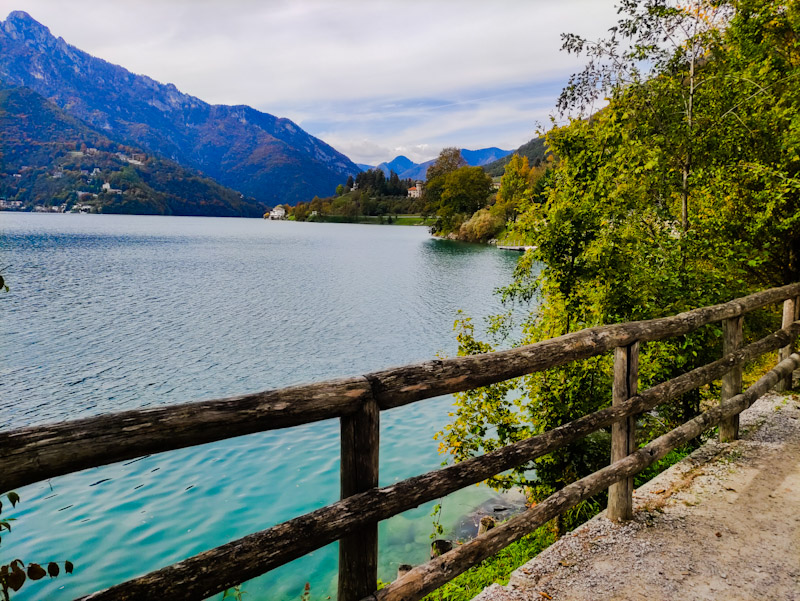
<point x="269" y="158"/>
<point x="535" y="150"/>
<point x="399" y="164"/>
<point x="50" y="158"/>
<point x="405" y="168"/>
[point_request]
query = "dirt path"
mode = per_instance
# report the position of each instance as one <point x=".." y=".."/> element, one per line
<point x="724" y="524"/>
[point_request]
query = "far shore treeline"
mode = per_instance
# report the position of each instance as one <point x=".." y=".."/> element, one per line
<point x="456" y="200"/>
<point x="369" y="194"/>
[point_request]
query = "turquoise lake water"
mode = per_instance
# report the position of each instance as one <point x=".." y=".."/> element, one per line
<point x="109" y="313"/>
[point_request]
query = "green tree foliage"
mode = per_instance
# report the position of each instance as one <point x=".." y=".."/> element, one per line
<point x="375" y="196"/>
<point x="449" y="160"/>
<point x="535" y="151"/>
<point x="683" y="191"/>
<point x="515" y="187"/>
<point x="454" y="191"/>
<point x="481" y="227"/>
<point x="373" y="182"/>
<point x="466" y="190"/>
<point x="38" y="140"/>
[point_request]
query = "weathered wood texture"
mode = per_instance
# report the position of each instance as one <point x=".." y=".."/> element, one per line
<point x="213" y="571"/>
<point x="428" y="577"/>
<point x="732" y="337"/>
<point x="789" y="307"/>
<point x="32" y="454"/>
<point x="37" y="453"/>
<point x="358" y="551"/>
<point x="623" y="432"/>
<point x="403" y="385"/>
<point x="487" y="523"/>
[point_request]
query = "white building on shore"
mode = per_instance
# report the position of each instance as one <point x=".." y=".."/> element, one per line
<point x="278" y="213"/>
<point x="415" y="191"/>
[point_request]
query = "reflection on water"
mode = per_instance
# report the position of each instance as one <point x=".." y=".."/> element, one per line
<point x="117" y="312"/>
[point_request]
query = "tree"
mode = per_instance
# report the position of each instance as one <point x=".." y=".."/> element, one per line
<point x="448" y="161"/>
<point x="462" y="193"/>
<point x="395" y="187"/>
<point x="683" y="191"/>
<point x="459" y="194"/>
<point x="481" y="227"/>
<point x="466" y="189"/>
<point x="515" y="186"/>
<point x="660" y="47"/>
<point x="300" y="211"/>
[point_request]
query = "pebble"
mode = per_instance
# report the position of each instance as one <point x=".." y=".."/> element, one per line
<point x="569" y="570"/>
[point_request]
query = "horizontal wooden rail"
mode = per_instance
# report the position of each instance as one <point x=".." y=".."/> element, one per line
<point x="400" y="386"/>
<point x="426" y="578"/>
<point x="36" y="453"/>
<point x="215" y="570"/>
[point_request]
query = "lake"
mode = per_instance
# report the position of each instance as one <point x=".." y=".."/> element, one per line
<point x="108" y="313"/>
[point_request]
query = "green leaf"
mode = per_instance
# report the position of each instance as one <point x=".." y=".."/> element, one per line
<point x="14" y="498"/>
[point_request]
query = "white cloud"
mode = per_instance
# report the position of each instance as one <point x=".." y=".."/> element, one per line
<point x="295" y="58"/>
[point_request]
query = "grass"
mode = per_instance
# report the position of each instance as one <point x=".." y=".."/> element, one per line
<point x="495" y="569"/>
<point x="659" y="466"/>
<point x="498" y="569"/>
<point x="373" y="219"/>
<point x="413" y="220"/>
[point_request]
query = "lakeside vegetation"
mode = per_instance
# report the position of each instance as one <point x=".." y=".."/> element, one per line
<point x="370" y="197"/>
<point x="683" y="191"/>
<point x="498" y="568"/>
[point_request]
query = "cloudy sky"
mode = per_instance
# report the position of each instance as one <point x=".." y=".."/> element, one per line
<point x="372" y="78"/>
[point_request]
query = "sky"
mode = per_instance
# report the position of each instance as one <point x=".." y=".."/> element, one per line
<point x="373" y="78"/>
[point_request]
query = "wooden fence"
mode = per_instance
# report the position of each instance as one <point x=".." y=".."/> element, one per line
<point x="32" y="454"/>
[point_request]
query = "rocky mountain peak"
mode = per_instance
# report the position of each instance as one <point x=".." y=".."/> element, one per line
<point x="21" y="26"/>
<point x="270" y="159"/>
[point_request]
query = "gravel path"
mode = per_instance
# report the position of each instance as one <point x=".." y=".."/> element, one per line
<point x="722" y="524"/>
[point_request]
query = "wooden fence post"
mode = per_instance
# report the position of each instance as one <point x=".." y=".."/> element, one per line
<point x="789" y="307"/>
<point x="796" y="317"/>
<point x="732" y="381"/>
<point x="358" y="552"/>
<point x="623" y="432"/>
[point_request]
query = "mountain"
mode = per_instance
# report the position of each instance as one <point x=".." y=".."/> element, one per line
<point x="535" y="150"/>
<point x="484" y="156"/>
<point x="49" y="158"/>
<point x="417" y="171"/>
<point x="261" y="155"/>
<point x="407" y="169"/>
<point x="398" y="164"/>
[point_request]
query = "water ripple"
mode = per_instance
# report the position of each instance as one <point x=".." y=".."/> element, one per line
<point x="108" y="313"/>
